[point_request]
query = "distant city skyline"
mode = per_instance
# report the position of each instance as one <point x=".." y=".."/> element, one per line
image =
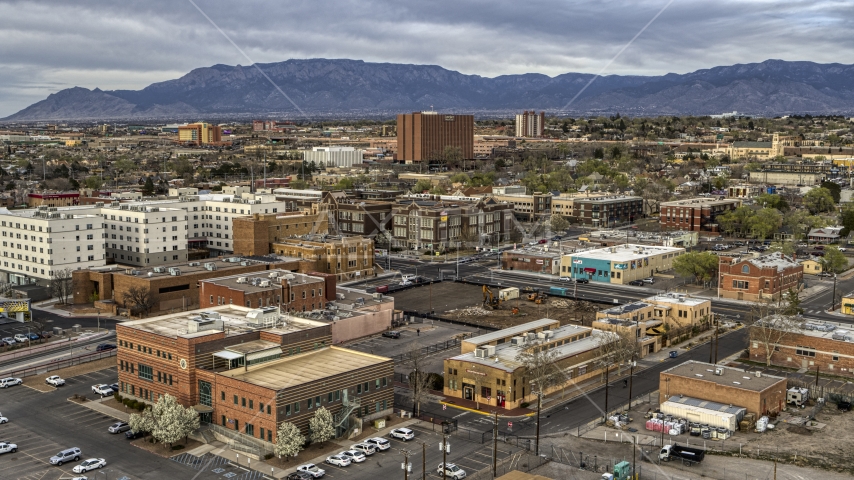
<point x="52" y="45"/>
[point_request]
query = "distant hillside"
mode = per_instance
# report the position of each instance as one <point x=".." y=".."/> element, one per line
<point x="324" y="87"/>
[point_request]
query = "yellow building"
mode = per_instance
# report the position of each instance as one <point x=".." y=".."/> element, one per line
<point x="199" y="133"/>
<point x="490" y="374"/>
<point x="811" y="266"/>
<point x="620" y="263"/>
<point x="848" y="304"/>
<point x="671" y="309"/>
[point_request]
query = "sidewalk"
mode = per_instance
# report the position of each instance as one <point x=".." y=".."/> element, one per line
<point x="47" y="306"/>
<point x="109" y="411"/>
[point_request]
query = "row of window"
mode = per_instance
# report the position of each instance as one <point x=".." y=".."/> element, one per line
<point x="141" y="348"/>
<point x="33" y="227"/>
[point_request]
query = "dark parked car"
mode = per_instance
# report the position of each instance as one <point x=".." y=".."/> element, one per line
<point x="104" y="347"/>
<point x="582" y="280"/>
<point x="35" y="336"/>
<point x="46" y="334"/>
<point x="130" y="434"/>
<point x="115" y="387"/>
<point x="392" y="334"/>
<point x="299" y="476"/>
<point x="543" y="241"/>
<point x="636" y="283"/>
<point x="843" y="406"/>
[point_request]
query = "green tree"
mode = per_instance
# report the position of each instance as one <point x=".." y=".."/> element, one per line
<point x="422" y="186"/>
<point x="298" y="184"/>
<point x="793" y="304"/>
<point x="834" y="189"/>
<point x="764" y="222"/>
<point x="772" y="200"/>
<point x="124" y="165"/>
<point x="95" y="183"/>
<point x="558" y="223"/>
<point x="460" y="178"/>
<point x="148" y="188"/>
<point x="819" y="200"/>
<point x="346" y="183"/>
<point x="703" y="266"/>
<point x="500" y="164"/>
<point x="846" y="219"/>
<point x="787" y="248"/>
<point x="833" y="260"/>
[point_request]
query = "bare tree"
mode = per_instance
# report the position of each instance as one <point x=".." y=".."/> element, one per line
<point x="419" y="379"/>
<point x="138" y="298"/>
<point x="619" y="348"/>
<point x="769" y="328"/>
<point x="61" y="285"/>
<point x="540" y="361"/>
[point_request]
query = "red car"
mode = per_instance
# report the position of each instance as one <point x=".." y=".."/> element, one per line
<point x="543" y="241"/>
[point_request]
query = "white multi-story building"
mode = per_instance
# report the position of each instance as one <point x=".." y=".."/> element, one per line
<point x="39" y="242"/>
<point x="145" y="235"/>
<point x="530" y="124"/>
<point x="335" y="156"/>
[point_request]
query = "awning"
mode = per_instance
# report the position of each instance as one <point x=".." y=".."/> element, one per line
<point x="203" y="408"/>
<point x="228" y="355"/>
<point x="589" y="270"/>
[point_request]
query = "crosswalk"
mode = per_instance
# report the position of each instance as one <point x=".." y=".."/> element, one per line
<point x="218" y="465"/>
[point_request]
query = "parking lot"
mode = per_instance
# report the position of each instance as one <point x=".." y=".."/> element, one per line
<point x="471" y="456"/>
<point x="43" y="423"/>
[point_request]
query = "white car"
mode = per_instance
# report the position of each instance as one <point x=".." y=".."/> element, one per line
<point x="402" y="434"/>
<point x="649" y="280"/>
<point x="54" y="380"/>
<point x="21" y="338"/>
<point x="355" y="456"/>
<point x="338" y="460"/>
<point x="565" y="279"/>
<point x="8" y="382"/>
<point x="379" y="443"/>
<point x="102" y="390"/>
<point x="3" y="419"/>
<point x="452" y="471"/>
<point x="90" y="464"/>
<point x="118" y="427"/>
<point x="365" y="448"/>
<point x="312" y="470"/>
<point x="6" y="447"/>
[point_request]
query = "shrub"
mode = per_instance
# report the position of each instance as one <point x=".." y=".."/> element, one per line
<point x="268" y="456"/>
<point x="117" y="397"/>
<point x="140" y="406"/>
<point x="524" y="404"/>
<point x="134" y="404"/>
<point x="177" y="447"/>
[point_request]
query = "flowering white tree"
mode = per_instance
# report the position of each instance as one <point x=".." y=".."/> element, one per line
<point x="321" y="426"/>
<point x="141" y="422"/>
<point x="167" y="421"/>
<point x="289" y="440"/>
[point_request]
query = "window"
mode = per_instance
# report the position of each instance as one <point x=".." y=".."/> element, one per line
<point x="243" y="402"/>
<point x="287" y="409"/>
<point x="310" y="403"/>
<point x="745" y="269"/>
<point x="235" y="399"/>
<point x="251" y="404"/>
<point x="805" y="351"/>
<point x="296" y="407"/>
<point x="222" y="396"/>
<point x="740" y="284"/>
<point x="145" y="372"/>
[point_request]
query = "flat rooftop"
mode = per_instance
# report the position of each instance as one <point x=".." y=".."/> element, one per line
<point x="507" y="353"/>
<point x="678" y="298"/>
<point x="775" y="260"/>
<point x="222" y="265"/>
<point x="842" y="332"/>
<point x="233" y="318"/>
<point x="731" y="377"/>
<point x="251" y="284"/>
<point x="306" y="367"/>
<point x="252" y="346"/>
<point x="625" y="253"/>
<point x="513" y="331"/>
<point x="701" y="202"/>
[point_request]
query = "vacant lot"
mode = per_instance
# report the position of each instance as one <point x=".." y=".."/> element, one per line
<point x="458" y="301"/>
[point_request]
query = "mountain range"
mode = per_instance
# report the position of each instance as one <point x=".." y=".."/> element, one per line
<point x="340" y="88"/>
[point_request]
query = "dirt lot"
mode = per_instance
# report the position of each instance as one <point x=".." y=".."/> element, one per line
<point x="458" y="301"/>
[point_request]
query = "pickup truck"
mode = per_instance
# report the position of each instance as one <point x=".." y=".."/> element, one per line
<point x="694" y="455"/>
<point x="6" y="447"/>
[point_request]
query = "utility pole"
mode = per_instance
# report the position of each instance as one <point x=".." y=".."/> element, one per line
<point x="717" y="342"/>
<point x="495" y="445"/>
<point x="423" y="461"/>
<point x="631" y="377"/>
<point x="607" y="370"/>
<point x="634" y="455"/>
<point x="539" y="405"/>
<point x="445" y="447"/>
<point x="405" y="466"/>
<point x="833" y="298"/>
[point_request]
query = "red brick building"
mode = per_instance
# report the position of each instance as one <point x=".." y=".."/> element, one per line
<point x="294" y="292"/>
<point x="766" y="277"/>
<point x="828" y="347"/>
<point x="695" y="214"/>
<point x="247" y="370"/>
<point x="423" y="136"/>
<point x="729" y="386"/>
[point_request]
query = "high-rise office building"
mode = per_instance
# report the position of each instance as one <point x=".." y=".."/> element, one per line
<point x="423" y="136"/>
<point x="199" y="133"/>
<point x="530" y="124"/>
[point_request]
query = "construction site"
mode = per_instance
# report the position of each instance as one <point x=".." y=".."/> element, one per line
<point x="493" y="307"/>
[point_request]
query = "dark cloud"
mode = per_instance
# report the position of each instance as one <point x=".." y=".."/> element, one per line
<point x="50" y="45"/>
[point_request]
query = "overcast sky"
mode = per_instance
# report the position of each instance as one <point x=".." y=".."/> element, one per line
<point x="46" y="46"/>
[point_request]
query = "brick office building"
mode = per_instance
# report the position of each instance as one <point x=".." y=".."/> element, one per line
<point x="423" y="136"/>
<point x="293" y="292"/>
<point x="824" y="346"/>
<point x="598" y="210"/>
<point x="760" y="394"/>
<point x="437" y="222"/>
<point x="766" y="277"/>
<point x="347" y="258"/>
<point x="696" y="214"/>
<point x="253" y="235"/>
<point x="250" y="374"/>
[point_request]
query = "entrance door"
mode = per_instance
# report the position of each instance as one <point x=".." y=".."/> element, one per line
<point x="468" y="392"/>
<point x="499" y="395"/>
<point x="206" y="417"/>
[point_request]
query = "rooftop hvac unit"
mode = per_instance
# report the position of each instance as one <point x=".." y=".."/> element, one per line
<point x="490" y="350"/>
<point x="159" y="269"/>
<point x="719" y="371"/>
<point x="480" y="353"/>
<point x="210" y="266"/>
<point x="274" y="274"/>
<point x="124" y="207"/>
<point x="340" y="296"/>
<point x="549" y="334"/>
<point x="155" y="209"/>
<point x="290" y="276"/>
<point x="378" y="296"/>
<point x="193" y="264"/>
<point x="128" y="271"/>
<point x="174" y="272"/>
<point x="541" y="335"/>
<point x="532" y="336"/>
<point x="264" y="283"/>
<point x="360" y="301"/>
<point x="241" y="279"/>
<point x="245" y="264"/>
<point x="517" y="341"/>
<point x="99" y="204"/>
